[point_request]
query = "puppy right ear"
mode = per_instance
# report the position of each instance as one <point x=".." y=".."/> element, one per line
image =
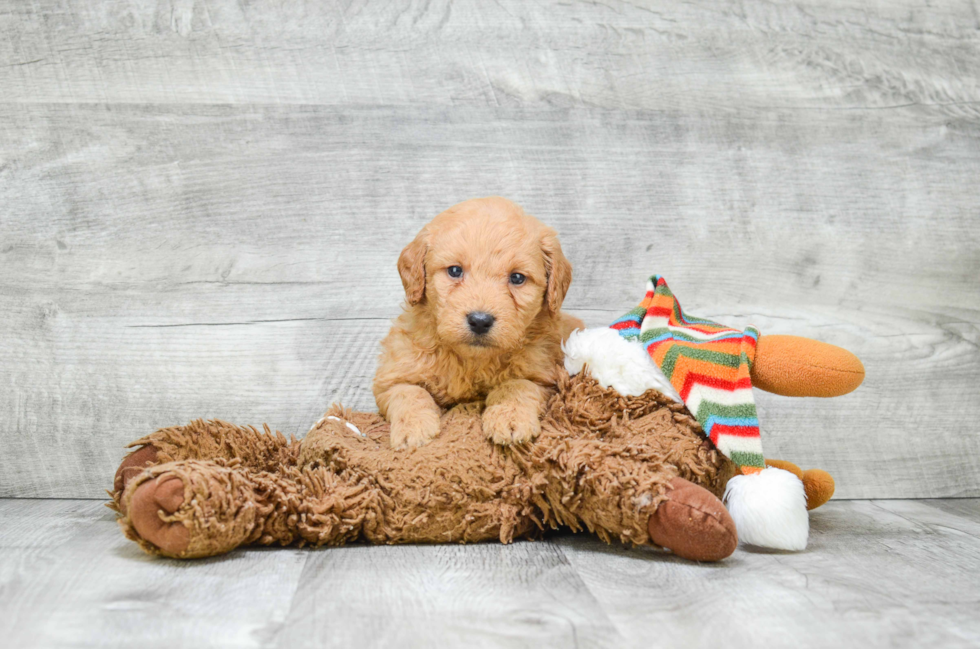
<point x="559" y="271"/>
<point x="411" y="267"/>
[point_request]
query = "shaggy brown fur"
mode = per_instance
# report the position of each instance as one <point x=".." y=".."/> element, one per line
<point x="602" y="462"/>
<point x="432" y="359"/>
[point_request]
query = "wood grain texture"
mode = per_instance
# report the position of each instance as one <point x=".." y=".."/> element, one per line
<point x="877" y="573"/>
<point x="487" y="595"/>
<point x="702" y="55"/>
<point x="201" y="204"/>
<point x="68" y="578"/>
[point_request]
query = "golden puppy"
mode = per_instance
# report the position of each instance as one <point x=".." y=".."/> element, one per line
<point x="484" y="283"/>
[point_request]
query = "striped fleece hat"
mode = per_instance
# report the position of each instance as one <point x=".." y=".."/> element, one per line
<point x="708" y="364"/>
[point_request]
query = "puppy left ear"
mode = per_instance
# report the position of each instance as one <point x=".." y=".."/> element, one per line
<point x="559" y="271"/>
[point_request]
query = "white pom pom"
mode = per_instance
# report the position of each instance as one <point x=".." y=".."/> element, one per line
<point x="769" y="509"/>
<point x="615" y="362"/>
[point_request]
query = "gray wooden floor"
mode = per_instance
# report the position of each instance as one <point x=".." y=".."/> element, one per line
<point x="885" y="573"/>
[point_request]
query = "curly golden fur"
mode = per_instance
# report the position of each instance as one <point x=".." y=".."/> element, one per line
<point x="434" y="357"/>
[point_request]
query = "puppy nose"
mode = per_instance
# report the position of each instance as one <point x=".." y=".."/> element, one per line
<point x="480" y="322"/>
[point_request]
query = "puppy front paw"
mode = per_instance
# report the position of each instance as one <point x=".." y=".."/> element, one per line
<point x="505" y="424"/>
<point x="414" y="430"/>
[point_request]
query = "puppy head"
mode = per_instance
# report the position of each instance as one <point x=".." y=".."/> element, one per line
<point x="483" y="271"/>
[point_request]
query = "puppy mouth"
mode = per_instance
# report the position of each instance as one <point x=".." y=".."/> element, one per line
<point x="479" y="342"/>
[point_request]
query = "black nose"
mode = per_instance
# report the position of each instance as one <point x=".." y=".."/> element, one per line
<point x="479" y="322"/>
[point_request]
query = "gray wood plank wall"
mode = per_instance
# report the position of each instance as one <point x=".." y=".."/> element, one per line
<point x="201" y="204"/>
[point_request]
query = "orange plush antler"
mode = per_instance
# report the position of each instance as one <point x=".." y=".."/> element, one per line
<point x="801" y="367"/>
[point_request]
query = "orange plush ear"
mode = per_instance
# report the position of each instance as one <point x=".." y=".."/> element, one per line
<point x="801" y="367"/>
<point x="818" y="485"/>
<point x="559" y="271"/>
<point x="411" y="268"/>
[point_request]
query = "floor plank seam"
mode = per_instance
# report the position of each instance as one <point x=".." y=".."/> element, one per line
<point x="595" y="598"/>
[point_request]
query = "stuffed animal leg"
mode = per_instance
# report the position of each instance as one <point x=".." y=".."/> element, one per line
<point x="210" y="486"/>
<point x="196" y="508"/>
<point x="205" y="440"/>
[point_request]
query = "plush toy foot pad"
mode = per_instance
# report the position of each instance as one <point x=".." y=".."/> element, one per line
<point x="132" y="465"/>
<point x="164" y="494"/>
<point x="693" y="523"/>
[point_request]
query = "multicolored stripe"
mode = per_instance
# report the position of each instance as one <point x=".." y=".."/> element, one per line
<point x="708" y="364"/>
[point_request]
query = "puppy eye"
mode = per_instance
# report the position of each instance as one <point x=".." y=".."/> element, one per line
<point x="455" y="271"/>
<point x="517" y="279"/>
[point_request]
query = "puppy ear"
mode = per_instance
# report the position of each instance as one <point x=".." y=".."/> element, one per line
<point x="559" y="271"/>
<point x="411" y="267"/>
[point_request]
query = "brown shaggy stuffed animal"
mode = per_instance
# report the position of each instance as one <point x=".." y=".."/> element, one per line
<point x="634" y="468"/>
<point x="624" y="468"/>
